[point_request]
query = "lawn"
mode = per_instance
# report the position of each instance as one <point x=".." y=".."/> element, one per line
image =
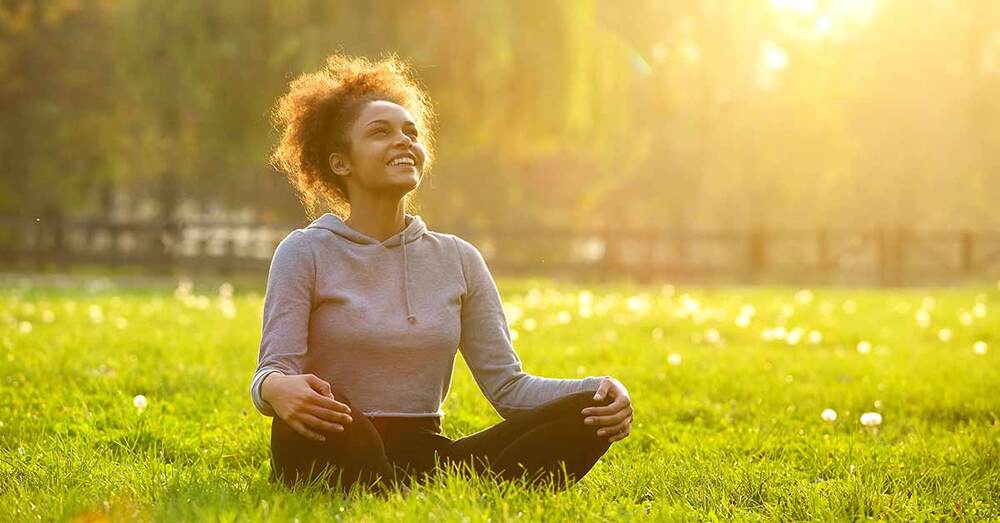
<point x="729" y="386"/>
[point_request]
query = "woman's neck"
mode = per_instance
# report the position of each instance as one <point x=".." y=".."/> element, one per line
<point x="377" y="219"/>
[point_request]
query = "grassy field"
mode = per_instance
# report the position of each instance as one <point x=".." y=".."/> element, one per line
<point x="728" y="384"/>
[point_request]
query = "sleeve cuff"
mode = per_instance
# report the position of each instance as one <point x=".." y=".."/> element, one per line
<point x="262" y="406"/>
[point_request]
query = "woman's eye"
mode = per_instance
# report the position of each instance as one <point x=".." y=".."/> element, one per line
<point x="377" y="131"/>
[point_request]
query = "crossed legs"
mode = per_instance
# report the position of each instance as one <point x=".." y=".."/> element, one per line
<point x="536" y="444"/>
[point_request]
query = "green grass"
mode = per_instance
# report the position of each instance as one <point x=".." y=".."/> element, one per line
<point x="732" y="431"/>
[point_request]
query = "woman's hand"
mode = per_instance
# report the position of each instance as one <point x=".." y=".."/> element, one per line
<point x="614" y="418"/>
<point x="305" y="403"/>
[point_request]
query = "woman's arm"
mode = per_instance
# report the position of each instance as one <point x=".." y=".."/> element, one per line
<point x="287" y="305"/>
<point x="487" y="348"/>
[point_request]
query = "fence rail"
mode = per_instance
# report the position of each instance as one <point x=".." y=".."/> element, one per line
<point x="889" y="257"/>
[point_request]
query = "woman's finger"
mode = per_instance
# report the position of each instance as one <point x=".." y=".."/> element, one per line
<point x="318" y="425"/>
<point x="329" y="415"/>
<point x="329" y="403"/>
<point x="618" y="404"/>
<point x="613" y="419"/>
<point x="615" y="429"/>
<point x="303" y="431"/>
<point x="618" y="437"/>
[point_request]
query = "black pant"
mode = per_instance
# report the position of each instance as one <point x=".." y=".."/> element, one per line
<point x="379" y="451"/>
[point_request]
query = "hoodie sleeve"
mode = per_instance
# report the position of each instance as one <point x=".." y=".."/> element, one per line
<point x="287" y="305"/>
<point x="486" y="346"/>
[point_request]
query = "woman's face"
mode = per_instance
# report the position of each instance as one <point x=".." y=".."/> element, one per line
<point x="386" y="154"/>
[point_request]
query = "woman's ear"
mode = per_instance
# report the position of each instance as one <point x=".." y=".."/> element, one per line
<point x="339" y="164"/>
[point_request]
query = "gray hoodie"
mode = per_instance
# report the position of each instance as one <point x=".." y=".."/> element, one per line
<point x="383" y="321"/>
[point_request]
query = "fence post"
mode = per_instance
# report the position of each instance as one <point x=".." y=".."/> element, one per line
<point x="968" y="255"/>
<point x="890" y="256"/>
<point x="757" y="240"/>
<point x="823" y="262"/>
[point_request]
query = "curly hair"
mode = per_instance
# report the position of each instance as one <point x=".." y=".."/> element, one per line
<point x="315" y="115"/>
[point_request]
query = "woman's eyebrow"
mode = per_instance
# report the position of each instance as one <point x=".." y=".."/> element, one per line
<point x="387" y="122"/>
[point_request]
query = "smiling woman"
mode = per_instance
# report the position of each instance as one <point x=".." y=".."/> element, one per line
<point x="320" y="119"/>
<point x="375" y="308"/>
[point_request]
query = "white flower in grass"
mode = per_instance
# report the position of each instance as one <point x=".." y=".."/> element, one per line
<point x="779" y="333"/>
<point x="226" y="290"/>
<point x="24" y="327"/>
<point x="139" y="402"/>
<point x="742" y="321"/>
<point x="849" y="306"/>
<point x="794" y="336"/>
<point x="928" y="303"/>
<point x="96" y="313"/>
<point x="564" y="317"/>
<point x="529" y="324"/>
<point x="815" y="337"/>
<point x="712" y="336"/>
<point x="864" y="347"/>
<point x="804" y="297"/>
<point x="829" y="415"/>
<point x="979" y="310"/>
<point x="923" y="318"/>
<point x="965" y="318"/>
<point x="871" y="419"/>
<point x="944" y="334"/>
<point x="979" y="347"/>
<point x="48" y="316"/>
<point x="674" y="359"/>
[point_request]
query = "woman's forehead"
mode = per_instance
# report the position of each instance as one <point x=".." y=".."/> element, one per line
<point x="384" y="110"/>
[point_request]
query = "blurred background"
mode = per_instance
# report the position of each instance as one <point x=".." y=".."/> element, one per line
<point x="841" y="141"/>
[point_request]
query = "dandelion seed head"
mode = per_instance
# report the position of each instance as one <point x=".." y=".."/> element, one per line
<point x="794" y="336"/>
<point x="864" y="347"/>
<point x="96" y="313"/>
<point x="674" y="359"/>
<point x="815" y="337"/>
<point x="979" y="347"/>
<point x="979" y="310"/>
<point x="829" y="415"/>
<point x="24" y="327"/>
<point x="871" y="419"/>
<point x="944" y="335"/>
<point x="804" y="297"/>
<point x="139" y="402"/>
<point x="849" y="306"/>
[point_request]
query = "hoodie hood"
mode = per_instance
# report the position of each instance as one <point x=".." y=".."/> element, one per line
<point x="413" y="230"/>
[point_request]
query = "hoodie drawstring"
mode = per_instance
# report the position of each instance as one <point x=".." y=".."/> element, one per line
<point x="406" y="285"/>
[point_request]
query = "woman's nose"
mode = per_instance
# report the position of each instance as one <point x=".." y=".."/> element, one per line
<point x="404" y="139"/>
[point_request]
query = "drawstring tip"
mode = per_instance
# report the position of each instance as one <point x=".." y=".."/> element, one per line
<point x="411" y="318"/>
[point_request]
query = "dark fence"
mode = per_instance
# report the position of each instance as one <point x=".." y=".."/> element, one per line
<point x="889" y="257"/>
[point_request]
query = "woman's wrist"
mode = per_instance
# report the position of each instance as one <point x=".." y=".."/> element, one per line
<point x="270" y="378"/>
